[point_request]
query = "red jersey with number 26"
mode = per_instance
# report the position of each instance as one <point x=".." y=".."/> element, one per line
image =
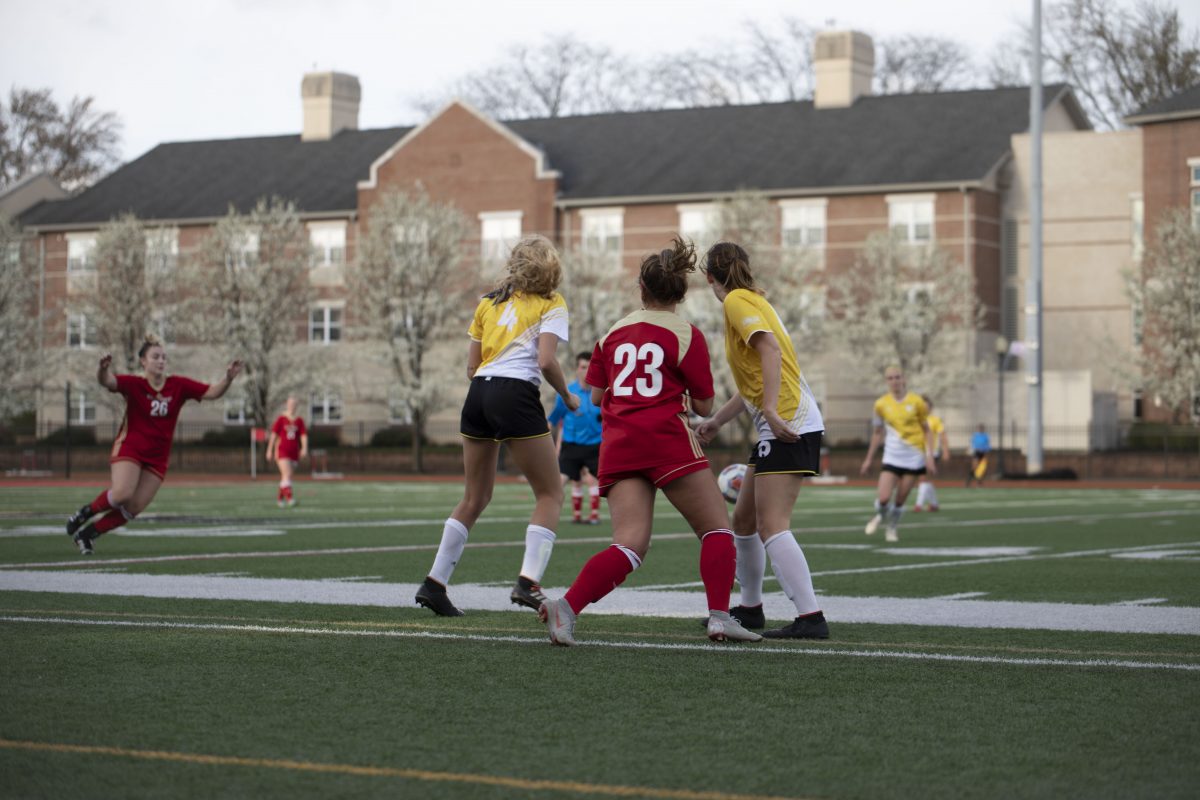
<point x="150" y="416"/>
<point x="289" y="432"/>
<point x="645" y="363"/>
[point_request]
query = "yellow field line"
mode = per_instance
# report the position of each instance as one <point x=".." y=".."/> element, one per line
<point x="385" y="772"/>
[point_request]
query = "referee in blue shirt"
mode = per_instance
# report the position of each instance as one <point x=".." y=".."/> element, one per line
<point x="578" y="435"/>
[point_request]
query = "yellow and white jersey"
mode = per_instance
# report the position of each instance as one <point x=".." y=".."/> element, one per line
<point x="747" y="313"/>
<point x="902" y="420"/>
<point x="936" y="426"/>
<point x="508" y="333"/>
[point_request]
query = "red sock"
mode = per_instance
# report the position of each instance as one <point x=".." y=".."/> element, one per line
<point x="718" y="564"/>
<point x="282" y="493"/>
<point x="101" y="504"/>
<point x="113" y="519"/>
<point x="602" y="573"/>
<point x="577" y="504"/>
<point x="287" y="493"/>
<point x="595" y="505"/>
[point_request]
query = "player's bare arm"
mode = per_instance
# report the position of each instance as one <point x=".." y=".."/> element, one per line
<point x="876" y="438"/>
<point x="474" y="358"/>
<point x="772" y="371"/>
<point x="930" y="463"/>
<point x="701" y="407"/>
<point x="104" y="375"/>
<point x="552" y="370"/>
<point x="217" y="390"/>
<point x="707" y="429"/>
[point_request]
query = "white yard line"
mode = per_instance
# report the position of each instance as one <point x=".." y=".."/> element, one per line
<point x="734" y="650"/>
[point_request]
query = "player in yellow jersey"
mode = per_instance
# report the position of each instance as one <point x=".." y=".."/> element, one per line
<point x="926" y="491"/>
<point x="514" y="336"/>
<point x="789" y="425"/>
<point x="907" y="450"/>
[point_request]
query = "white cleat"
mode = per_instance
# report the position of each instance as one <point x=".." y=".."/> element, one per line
<point x="891" y="535"/>
<point x="724" y="628"/>
<point x="873" y="524"/>
<point x="560" y="621"/>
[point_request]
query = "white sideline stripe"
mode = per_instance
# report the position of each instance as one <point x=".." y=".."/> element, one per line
<point x="644" y="603"/>
<point x="964" y="596"/>
<point x="1145" y="601"/>
<point x="710" y="648"/>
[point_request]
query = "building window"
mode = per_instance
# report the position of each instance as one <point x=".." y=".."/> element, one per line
<point x="328" y="241"/>
<point x="602" y="231"/>
<point x="499" y="232"/>
<point x="83" y="409"/>
<point x="1137" y="234"/>
<point x="235" y="410"/>
<point x="919" y="293"/>
<point x="162" y="249"/>
<point x="699" y="222"/>
<point x="1194" y="180"/>
<point x="81" y="252"/>
<point x="802" y="226"/>
<point x="80" y="335"/>
<point x="325" y="408"/>
<point x="910" y="217"/>
<point x="243" y="250"/>
<point x="325" y="325"/>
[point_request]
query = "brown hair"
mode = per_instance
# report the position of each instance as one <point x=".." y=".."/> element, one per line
<point x="150" y="340"/>
<point x="664" y="275"/>
<point x="533" y="268"/>
<point x="729" y="265"/>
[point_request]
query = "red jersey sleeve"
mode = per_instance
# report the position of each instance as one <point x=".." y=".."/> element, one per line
<point x="301" y="430"/>
<point x="277" y="426"/>
<point x="597" y="374"/>
<point x="127" y="383"/>
<point x="697" y="372"/>
<point x="190" y="389"/>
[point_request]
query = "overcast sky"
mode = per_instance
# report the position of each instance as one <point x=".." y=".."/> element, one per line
<point x="205" y="69"/>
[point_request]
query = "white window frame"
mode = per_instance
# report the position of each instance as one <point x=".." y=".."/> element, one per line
<point x="83" y="409"/>
<point x="914" y="288"/>
<point x="81" y="252"/>
<point x="162" y="250"/>
<point x="325" y="408"/>
<point x="321" y="332"/>
<point x="602" y="231"/>
<point x="803" y="226"/>
<point x="499" y="232"/>
<point x="243" y="252"/>
<point x="235" y="411"/>
<point x="1194" y="190"/>
<point x="328" y="242"/>
<point x="906" y="215"/>
<point x="78" y="327"/>
<point x="1137" y="227"/>
<point x="700" y="223"/>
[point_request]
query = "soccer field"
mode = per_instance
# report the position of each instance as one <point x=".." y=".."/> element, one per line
<point x="1019" y="643"/>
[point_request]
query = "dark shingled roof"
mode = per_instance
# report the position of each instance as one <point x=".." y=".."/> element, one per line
<point x="878" y="141"/>
<point x="1184" y="104"/>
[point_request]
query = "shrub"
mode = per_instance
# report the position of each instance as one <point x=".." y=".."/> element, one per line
<point x="395" y="436"/>
<point x="79" y="436"/>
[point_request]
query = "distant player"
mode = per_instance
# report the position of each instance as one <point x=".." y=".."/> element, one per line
<point x="287" y="446"/>
<point x="142" y="449"/>
<point x="926" y="491"/>
<point x="579" y="434"/>
<point x="981" y="447"/>
<point x="907" y="450"/>
<point x="647" y="372"/>
<point x="514" y="336"/>
<point x="789" y="426"/>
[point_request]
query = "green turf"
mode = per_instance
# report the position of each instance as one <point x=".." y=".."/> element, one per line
<point x="851" y="717"/>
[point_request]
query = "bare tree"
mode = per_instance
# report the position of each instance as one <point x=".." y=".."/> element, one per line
<point x="76" y="144"/>
<point x="249" y="294"/>
<point x="907" y="305"/>
<point x="19" y="358"/>
<point x="1167" y="293"/>
<point x="1117" y="60"/>
<point x="598" y="292"/>
<point x="410" y="285"/>
<point x="918" y="63"/>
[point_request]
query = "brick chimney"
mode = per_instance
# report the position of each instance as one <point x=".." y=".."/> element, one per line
<point x="844" y="64"/>
<point x="330" y="104"/>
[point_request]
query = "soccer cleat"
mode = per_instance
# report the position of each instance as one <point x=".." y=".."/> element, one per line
<point x="577" y="520"/>
<point x="873" y="524"/>
<point x="809" y="626"/>
<point x="527" y="593"/>
<point x="83" y="538"/>
<point x="291" y="501"/>
<point x="77" y="520"/>
<point x="934" y="507"/>
<point x="722" y="627"/>
<point x="750" y="616"/>
<point x="432" y="595"/>
<point x="560" y="621"/>
<point x="593" y="521"/>
<point x="891" y="535"/>
<point x="918" y="508"/>
<point x="280" y="504"/>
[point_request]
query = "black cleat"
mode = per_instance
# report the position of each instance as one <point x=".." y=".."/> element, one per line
<point x="83" y="538"/>
<point x="527" y="593"/>
<point x="432" y="595"/>
<point x="809" y="626"/>
<point x="751" y="617"/>
<point x="77" y="520"/>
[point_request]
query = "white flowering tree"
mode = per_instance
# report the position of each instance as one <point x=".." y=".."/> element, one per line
<point x="19" y="359"/>
<point x="598" y="292"/>
<point x="412" y="288"/>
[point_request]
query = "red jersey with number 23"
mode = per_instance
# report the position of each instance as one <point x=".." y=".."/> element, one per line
<point x="645" y="364"/>
<point x="150" y="416"/>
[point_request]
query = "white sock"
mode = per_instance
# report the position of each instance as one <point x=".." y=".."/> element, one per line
<point x="539" y="543"/>
<point x="931" y="495"/>
<point x="922" y="491"/>
<point x="634" y="560"/>
<point x="454" y="539"/>
<point x="878" y="506"/>
<point x="894" y="516"/>
<point x="751" y="564"/>
<point x="791" y="569"/>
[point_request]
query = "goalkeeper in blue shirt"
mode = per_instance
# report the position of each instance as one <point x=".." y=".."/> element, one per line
<point x="578" y="435"/>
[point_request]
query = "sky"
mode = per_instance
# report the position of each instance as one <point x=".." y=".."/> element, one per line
<point x="176" y="70"/>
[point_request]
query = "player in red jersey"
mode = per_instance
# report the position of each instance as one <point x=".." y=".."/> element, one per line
<point x="287" y="445"/>
<point x="643" y="374"/>
<point x="142" y="448"/>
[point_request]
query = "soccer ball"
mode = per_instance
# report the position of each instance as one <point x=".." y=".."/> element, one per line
<point x="730" y="481"/>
